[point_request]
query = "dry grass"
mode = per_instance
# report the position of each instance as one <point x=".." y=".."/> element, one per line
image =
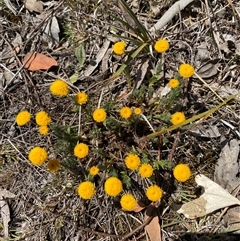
<point x="47" y="206"/>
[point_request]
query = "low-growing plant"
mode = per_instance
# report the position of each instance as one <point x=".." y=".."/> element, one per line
<point x="109" y="119"/>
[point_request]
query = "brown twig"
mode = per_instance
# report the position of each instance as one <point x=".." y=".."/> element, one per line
<point x="146" y="222"/>
<point x="174" y="146"/>
<point x="159" y="147"/>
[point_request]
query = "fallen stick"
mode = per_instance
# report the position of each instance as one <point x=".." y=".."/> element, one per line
<point x="167" y="16"/>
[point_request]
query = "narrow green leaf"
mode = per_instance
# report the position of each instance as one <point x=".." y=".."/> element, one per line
<point x="156" y="76"/>
<point x="142" y="29"/>
<point x="132" y="40"/>
<point x="80" y="54"/>
<point x="131" y="57"/>
<point x="126" y="24"/>
<point x="194" y="118"/>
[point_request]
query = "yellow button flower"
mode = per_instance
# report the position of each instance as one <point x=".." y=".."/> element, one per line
<point x="23" y="117"/>
<point x="154" y="193"/>
<point x="43" y="130"/>
<point x="137" y="111"/>
<point x="113" y="186"/>
<point x="178" y="118"/>
<point x="145" y="170"/>
<point x="132" y="161"/>
<point x="37" y="156"/>
<point x="42" y="118"/>
<point x="81" y="98"/>
<point x="81" y="150"/>
<point x="186" y="70"/>
<point x="59" y="88"/>
<point x="182" y="172"/>
<point x="99" y="115"/>
<point x="128" y="202"/>
<point x="86" y="190"/>
<point x="94" y="170"/>
<point x="125" y="112"/>
<point x="173" y="83"/>
<point x="161" y="46"/>
<point x="119" y="48"/>
<point x="53" y="165"/>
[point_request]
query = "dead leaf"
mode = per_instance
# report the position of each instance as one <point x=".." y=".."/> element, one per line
<point x="153" y="229"/>
<point x="99" y="57"/>
<point x="51" y="32"/>
<point x="206" y="131"/>
<point x="6" y="194"/>
<point x="5" y="214"/>
<point x="36" y="61"/>
<point x="225" y="90"/>
<point x="141" y="73"/>
<point x="226" y="175"/>
<point x="228" y="46"/>
<point x="208" y="69"/>
<point x="155" y="7"/>
<point x="213" y="198"/>
<point x="34" y="5"/>
<point x="4" y="208"/>
<point x="139" y="207"/>
<point x="202" y="55"/>
<point x="227" y="167"/>
<point x="232" y="218"/>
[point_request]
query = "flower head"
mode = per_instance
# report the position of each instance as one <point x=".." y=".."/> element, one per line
<point x="81" y="98"/>
<point x="132" y="161"/>
<point x="43" y="130"/>
<point x="128" y="202"/>
<point x="186" y="70"/>
<point x="154" y="193"/>
<point x="173" y="83"/>
<point x="145" y="170"/>
<point x="137" y="111"/>
<point x="125" y="112"/>
<point x="86" y="190"/>
<point x="42" y="118"/>
<point x="53" y="165"/>
<point x="99" y="115"/>
<point x="94" y="170"/>
<point x="37" y="156"/>
<point x="59" y="88"/>
<point x="81" y="150"/>
<point x="119" y="48"/>
<point x="182" y="172"/>
<point x="178" y="118"/>
<point x="161" y="46"/>
<point x="113" y="186"/>
<point x="23" y="117"/>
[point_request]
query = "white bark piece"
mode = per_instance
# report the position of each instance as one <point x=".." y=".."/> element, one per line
<point x="171" y="12"/>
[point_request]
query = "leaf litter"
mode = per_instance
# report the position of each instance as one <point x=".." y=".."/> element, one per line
<point x="38" y="61"/>
<point x="214" y="197"/>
